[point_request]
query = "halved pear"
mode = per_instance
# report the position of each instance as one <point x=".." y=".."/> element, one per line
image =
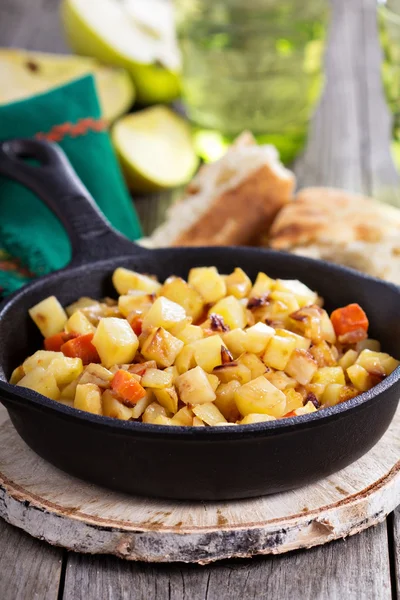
<point x="26" y="73"/>
<point x="155" y="149"/>
<point x="136" y="35"/>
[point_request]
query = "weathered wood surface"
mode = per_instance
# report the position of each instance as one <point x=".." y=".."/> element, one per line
<point x="395" y="548"/>
<point x="348" y="148"/>
<point x="69" y="512"/>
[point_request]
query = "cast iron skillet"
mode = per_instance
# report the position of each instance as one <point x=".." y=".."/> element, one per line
<point x="182" y="463"/>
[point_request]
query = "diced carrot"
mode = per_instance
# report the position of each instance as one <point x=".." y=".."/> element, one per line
<point x="349" y="318"/>
<point x="54" y="342"/>
<point x="127" y="387"/>
<point x="81" y="347"/>
<point x="290" y="414"/>
<point x="136" y="323"/>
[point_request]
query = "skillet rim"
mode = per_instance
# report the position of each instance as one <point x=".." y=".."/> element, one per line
<point x="40" y="402"/>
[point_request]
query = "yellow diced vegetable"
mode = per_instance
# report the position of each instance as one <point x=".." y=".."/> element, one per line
<point x="162" y="420"/>
<point x="194" y="387"/>
<point x="183" y="417"/>
<point x="80" y="304"/>
<point x="164" y="313"/>
<point x="305" y="410"/>
<point x="324" y="354"/>
<point x="294" y="400"/>
<point x="214" y="381"/>
<point x="88" y="398"/>
<point x="235" y="341"/>
<point x="287" y="300"/>
<point x="79" y="324"/>
<point x="261" y="397"/>
<point x="138" y="303"/>
<point x="257" y="337"/>
<point x="377" y="363"/>
<point x="280" y="380"/>
<point x="161" y="346"/>
<point x="301" y="366"/>
<point x="238" y="284"/>
<point x="152" y="412"/>
<point x="155" y="378"/>
<point x="17" y="375"/>
<point x="41" y="358"/>
<point x="49" y="316"/>
<point x="196" y="422"/>
<point x="262" y="286"/>
<point x="232" y="312"/>
<point x="332" y="394"/>
<point x="125" y="280"/>
<point x="115" y="341"/>
<point x="303" y="294"/>
<point x="225" y="400"/>
<point x="252" y="362"/>
<point x="168" y="398"/>
<point x="368" y="344"/>
<point x="208" y="283"/>
<point x="360" y="378"/>
<point x="65" y="369"/>
<point x="68" y="392"/>
<point x="42" y="382"/>
<point x="233" y="371"/>
<point x="348" y="359"/>
<point x="185" y="359"/>
<point x="278" y="352"/>
<point x="328" y="375"/>
<point x="98" y="375"/>
<point x="209" y="413"/>
<point x="256" y="418"/>
<point x="142" y="404"/>
<point x="302" y="343"/>
<point x="191" y="333"/>
<point x="177" y="290"/>
<point x="207" y="352"/>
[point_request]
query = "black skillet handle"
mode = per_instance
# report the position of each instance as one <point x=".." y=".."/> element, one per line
<point x="55" y="182"/>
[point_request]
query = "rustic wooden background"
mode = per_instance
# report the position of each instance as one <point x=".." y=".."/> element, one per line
<point x="348" y="147"/>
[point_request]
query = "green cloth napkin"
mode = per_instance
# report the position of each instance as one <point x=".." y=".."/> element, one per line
<point x="32" y="240"/>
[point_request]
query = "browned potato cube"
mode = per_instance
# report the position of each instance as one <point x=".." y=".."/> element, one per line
<point x="177" y="290"/>
<point x="162" y="347"/>
<point x="301" y="366"/>
<point x="194" y="387"/>
<point x="261" y="397"/>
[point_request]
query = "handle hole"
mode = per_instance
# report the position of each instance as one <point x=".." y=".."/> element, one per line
<point x="27" y="151"/>
<point x="28" y="158"/>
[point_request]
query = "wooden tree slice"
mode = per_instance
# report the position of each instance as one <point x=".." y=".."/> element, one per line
<point x="79" y="516"/>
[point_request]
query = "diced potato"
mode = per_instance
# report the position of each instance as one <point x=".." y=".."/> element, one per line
<point x="302" y="293"/>
<point x="185" y="359"/>
<point x="155" y="378"/>
<point x="138" y="303"/>
<point x="142" y="404"/>
<point x="17" y="375"/>
<point x="328" y="375"/>
<point x="177" y="328"/>
<point x="252" y="362"/>
<point x="78" y="323"/>
<point x="278" y="352"/>
<point x="238" y="284"/>
<point x="304" y="410"/>
<point x="49" y="316"/>
<point x="42" y="382"/>
<point x="115" y="341"/>
<point x="162" y="420"/>
<point x="83" y="302"/>
<point x="65" y="370"/>
<point x="262" y="286"/>
<point x="68" y="392"/>
<point x="332" y="394"/>
<point x="314" y="323"/>
<point x="377" y="363"/>
<point x="191" y="333"/>
<point x="301" y="366"/>
<point x="317" y="389"/>
<point x="235" y="341"/>
<point x="161" y="346"/>
<point x="125" y="280"/>
<point x="66" y="401"/>
<point x="280" y="380"/>
<point x="88" y="398"/>
<point x="324" y="354"/>
<point x="41" y="358"/>
<point x="152" y="412"/>
<point x="301" y="342"/>
<point x="179" y="291"/>
<point x="294" y="400"/>
<point x="360" y="378"/>
<point x="98" y="375"/>
<point x="225" y="400"/>
<point x="214" y="381"/>
<point x="207" y="352"/>
<point x="287" y="300"/>
<point x="184" y="417"/>
<point x="348" y="359"/>
<point x="209" y="413"/>
<point x="327" y="330"/>
<point x="368" y="344"/>
<point x="257" y="337"/>
<point x="256" y="418"/>
<point x="261" y="397"/>
<point x="164" y="313"/>
<point x="233" y="371"/>
<point x="168" y="398"/>
<point x="232" y="312"/>
<point x="197" y="422"/>
<point x="194" y="387"/>
<point x="208" y="283"/>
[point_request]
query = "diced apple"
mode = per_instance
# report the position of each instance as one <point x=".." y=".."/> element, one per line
<point x="125" y="280"/>
<point x="194" y="387"/>
<point x="88" y="398"/>
<point x="49" y="316"/>
<point x="115" y="341"/>
<point x="261" y="397"/>
<point x="208" y="283"/>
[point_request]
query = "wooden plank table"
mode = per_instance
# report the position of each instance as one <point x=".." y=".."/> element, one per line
<point x="348" y="147"/>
